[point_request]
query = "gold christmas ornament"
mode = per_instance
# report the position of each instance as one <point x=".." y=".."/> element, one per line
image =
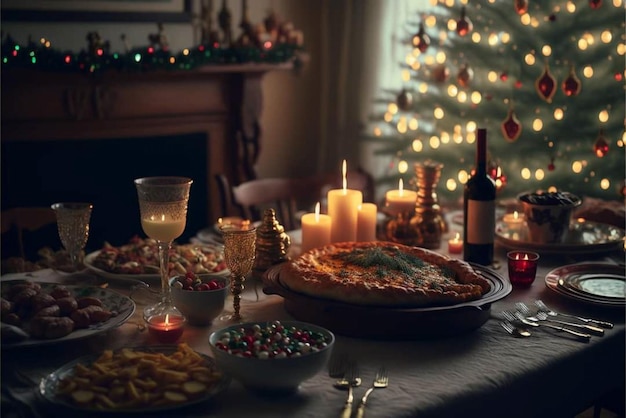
<point x="272" y="244"/>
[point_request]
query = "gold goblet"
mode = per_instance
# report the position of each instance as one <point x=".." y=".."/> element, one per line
<point x="239" y="254"/>
<point x="163" y="207"/>
<point x="73" y="225"/>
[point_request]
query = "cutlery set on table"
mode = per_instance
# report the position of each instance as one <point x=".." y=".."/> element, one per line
<point x="348" y="375"/>
<point x="517" y="322"/>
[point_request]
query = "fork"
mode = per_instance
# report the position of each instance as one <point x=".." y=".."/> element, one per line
<point x="543" y="308"/>
<point x="581" y="336"/>
<point x="352" y="379"/>
<point x="543" y="316"/>
<point x="380" y="381"/>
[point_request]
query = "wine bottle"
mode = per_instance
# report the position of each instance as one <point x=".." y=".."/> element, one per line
<point x="479" y="209"/>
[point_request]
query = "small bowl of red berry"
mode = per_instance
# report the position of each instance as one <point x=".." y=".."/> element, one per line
<point x="200" y="297"/>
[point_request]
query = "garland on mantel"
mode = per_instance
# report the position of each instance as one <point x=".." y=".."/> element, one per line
<point x="41" y="56"/>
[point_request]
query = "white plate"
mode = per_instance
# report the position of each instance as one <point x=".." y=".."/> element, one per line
<point x="560" y="280"/>
<point x="48" y="384"/>
<point x="111" y="300"/>
<point x="583" y="237"/>
<point x="151" y="279"/>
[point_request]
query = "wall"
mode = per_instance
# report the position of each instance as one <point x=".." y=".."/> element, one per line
<point x="290" y="118"/>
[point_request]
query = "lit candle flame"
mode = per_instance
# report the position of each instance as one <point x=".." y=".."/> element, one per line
<point x="317" y="212"/>
<point x="515" y="215"/>
<point x="400" y="188"/>
<point x="344" y="173"/>
<point x="457" y="237"/>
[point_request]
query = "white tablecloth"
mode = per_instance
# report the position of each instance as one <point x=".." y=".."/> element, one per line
<point x="484" y="373"/>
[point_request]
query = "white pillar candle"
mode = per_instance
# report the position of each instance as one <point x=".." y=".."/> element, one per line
<point x="343" y="210"/>
<point x="400" y="200"/>
<point x="315" y="229"/>
<point x="366" y="222"/>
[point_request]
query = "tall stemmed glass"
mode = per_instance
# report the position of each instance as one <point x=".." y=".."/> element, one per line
<point x="239" y="254"/>
<point x="73" y="225"/>
<point x="163" y="208"/>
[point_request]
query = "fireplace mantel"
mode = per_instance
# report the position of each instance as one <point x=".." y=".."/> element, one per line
<point x="224" y="102"/>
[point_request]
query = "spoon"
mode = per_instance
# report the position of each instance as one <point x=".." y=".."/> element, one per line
<point x="513" y="330"/>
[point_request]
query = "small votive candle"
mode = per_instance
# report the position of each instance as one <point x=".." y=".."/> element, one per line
<point x="522" y="267"/>
<point x="455" y="245"/>
<point x="166" y="328"/>
<point x="513" y="221"/>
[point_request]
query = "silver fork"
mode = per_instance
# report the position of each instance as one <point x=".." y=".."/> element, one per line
<point x="543" y="308"/>
<point x="543" y="316"/>
<point x="514" y="330"/>
<point x="580" y="335"/>
<point x="380" y="381"/>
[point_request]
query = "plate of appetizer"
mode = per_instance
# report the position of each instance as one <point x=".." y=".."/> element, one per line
<point x="139" y="260"/>
<point x="40" y="313"/>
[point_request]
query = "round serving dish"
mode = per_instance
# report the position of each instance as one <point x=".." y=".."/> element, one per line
<point x="390" y="323"/>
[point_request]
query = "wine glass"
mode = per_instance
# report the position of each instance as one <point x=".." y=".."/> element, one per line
<point x="73" y="225"/>
<point x="239" y="254"/>
<point x="163" y="209"/>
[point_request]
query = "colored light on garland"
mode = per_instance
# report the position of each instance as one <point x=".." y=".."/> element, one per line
<point x="41" y="56"/>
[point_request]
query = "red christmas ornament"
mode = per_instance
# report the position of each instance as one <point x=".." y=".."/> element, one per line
<point x="552" y="18"/>
<point x="521" y="6"/>
<point x="440" y="73"/>
<point x="465" y="75"/>
<point x="421" y="40"/>
<point x="601" y="146"/>
<point x="404" y="100"/>
<point x="504" y="76"/>
<point x="595" y="4"/>
<point x="546" y="85"/>
<point x="571" y="85"/>
<point x="511" y="126"/>
<point x="551" y="166"/>
<point x="618" y="76"/>
<point x="463" y="25"/>
<point x="497" y="174"/>
<point x="518" y="84"/>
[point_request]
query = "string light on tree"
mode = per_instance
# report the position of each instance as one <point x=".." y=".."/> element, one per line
<point x="536" y="57"/>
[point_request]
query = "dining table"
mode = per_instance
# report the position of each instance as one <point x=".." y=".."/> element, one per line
<point x="482" y="372"/>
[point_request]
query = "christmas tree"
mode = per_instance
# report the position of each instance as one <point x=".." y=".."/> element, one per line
<point x="545" y="78"/>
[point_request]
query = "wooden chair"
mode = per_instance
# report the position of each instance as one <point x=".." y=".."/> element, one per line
<point x="21" y="220"/>
<point x="289" y="197"/>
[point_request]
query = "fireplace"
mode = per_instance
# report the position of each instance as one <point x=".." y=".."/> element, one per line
<point x="86" y="137"/>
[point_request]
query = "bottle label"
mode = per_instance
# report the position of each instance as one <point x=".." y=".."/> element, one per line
<point x="481" y="221"/>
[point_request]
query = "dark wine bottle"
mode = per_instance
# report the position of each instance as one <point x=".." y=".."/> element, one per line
<point x="479" y="209"/>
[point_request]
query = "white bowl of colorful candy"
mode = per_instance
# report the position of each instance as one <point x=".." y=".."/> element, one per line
<point x="272" y="357"/>
<point x="199" y="297"/>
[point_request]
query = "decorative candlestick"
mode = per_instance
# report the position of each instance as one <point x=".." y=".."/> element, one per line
<point x="343" y="210"/>
<point x="272" y="244"/>
<point x="428" y="218"/>
<point x="400" y="208"/>
<point x="315" y="229"/>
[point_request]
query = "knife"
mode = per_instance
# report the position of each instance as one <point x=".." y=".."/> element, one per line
<point x="581" y="336"/>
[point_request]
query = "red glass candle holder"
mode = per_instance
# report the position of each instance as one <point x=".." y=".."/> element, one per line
<point x="166" y="328"/>
<point x="522" y="267"/>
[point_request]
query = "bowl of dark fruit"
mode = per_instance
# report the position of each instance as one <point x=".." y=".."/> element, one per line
<point x="548" y="215"/>
<point x="199" y="297"/>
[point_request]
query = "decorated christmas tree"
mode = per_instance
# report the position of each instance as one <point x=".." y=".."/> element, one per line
<point x="545" y="78"/>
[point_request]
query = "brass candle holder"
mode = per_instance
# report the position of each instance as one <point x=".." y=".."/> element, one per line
<point x="272" y="244"/>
